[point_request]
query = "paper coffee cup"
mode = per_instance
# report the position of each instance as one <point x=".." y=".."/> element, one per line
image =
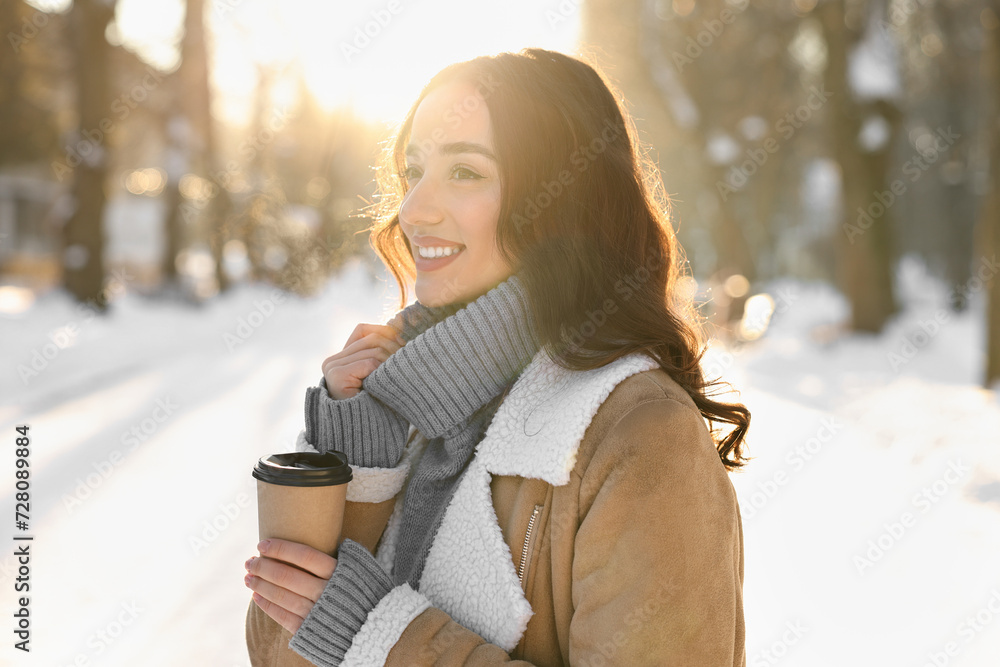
<point x="301" y="496"/>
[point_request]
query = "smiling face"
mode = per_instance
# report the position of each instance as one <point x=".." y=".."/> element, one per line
<point x="449" y="213"/>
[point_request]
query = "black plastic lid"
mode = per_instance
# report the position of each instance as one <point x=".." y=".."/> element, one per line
<point x="304" y="469"/>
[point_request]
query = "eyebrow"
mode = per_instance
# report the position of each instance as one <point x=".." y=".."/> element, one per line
<point x="457" y="147"/>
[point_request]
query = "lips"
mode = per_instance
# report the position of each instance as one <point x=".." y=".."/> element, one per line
<point x="427" y="251"/>
<point x="432" y="263"/>
<point x="432" y="241"/>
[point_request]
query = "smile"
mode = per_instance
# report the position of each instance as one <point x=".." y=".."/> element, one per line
<point x="438" y="251"/>
<point x="432" y="258"/>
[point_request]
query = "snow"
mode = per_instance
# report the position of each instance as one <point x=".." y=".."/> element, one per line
<point x="875" y="133"/>
<point x="846" y="442"/>
<point x="134" y="229"/>
<point x="873" y="64"/>
<point x="721" y="148"/>
<point x="753" y="128"/>
<point x="819" y="193"/>
<point x="145" y="426"/>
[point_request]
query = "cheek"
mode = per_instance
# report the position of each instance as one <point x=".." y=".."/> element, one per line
<point x="479" y="222"/>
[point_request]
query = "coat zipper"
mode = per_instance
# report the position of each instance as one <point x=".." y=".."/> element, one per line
<point x="527" y="543"/>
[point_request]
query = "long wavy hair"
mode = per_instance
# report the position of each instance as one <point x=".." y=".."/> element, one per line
<point x="583" y="219"/>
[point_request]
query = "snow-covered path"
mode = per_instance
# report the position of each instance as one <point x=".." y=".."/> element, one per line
<point x="145" y="428"/>
<point x="144" y="432"/>
<point x="872" y="509"/>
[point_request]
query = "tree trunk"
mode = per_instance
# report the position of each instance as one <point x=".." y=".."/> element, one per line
<point x="219" y="208"/>
<point x="734" y="252"/>
<point x="991" y="224"/>
<point x="959" y="85"/>
<point x="83" y="235"/>
<point x="990" y="211"/>
<point x="174" y="223"/>
<point x="864" y="243"/>
<point x="12" y="121"/>
<point x="197" y="151"/>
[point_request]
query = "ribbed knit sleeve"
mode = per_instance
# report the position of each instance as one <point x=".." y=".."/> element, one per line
<point x="371" y="434"/>
<point x="357" y="585"/>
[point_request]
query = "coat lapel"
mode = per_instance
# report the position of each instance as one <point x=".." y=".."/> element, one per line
<point x="539" y="426"/>
<point x="536" y="432"/>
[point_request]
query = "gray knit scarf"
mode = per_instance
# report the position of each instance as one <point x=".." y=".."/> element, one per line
<point x="447" y="381"/>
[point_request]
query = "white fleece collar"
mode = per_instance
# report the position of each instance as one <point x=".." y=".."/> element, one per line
<point x="538" y="427"/>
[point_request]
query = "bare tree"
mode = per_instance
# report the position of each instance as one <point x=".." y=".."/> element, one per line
<point x="710" y="84"/>
<point x="865" y="248"/>
<point x="193" y="150"/>
<point x="723" y="71"/>
<point x="83" y="235"/>
<point x="990" y="212"/>
<point x="955" y="87"/>
<point x="28" y="129"/>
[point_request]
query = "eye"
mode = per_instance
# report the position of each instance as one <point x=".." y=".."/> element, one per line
<point x="411" y="172"/>
<point x="465" y="174"/>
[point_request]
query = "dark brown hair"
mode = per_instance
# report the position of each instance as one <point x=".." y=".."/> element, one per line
<point x="583" y="219"/>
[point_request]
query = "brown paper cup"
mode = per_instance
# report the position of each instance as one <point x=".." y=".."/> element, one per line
<point x="300" y="497"/>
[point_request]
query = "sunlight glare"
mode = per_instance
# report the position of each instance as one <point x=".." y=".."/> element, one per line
<point x="372" y="56"/>
<point x="15" y="300"/>
<point x="152" y="28"/>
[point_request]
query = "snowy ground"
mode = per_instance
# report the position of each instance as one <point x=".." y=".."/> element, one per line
<point x="871" y="510"/>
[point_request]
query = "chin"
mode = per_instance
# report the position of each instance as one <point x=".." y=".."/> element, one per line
<point x="435" y="296"/>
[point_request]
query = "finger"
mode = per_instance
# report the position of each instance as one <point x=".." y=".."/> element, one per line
<point x="283" y="617"/>
<point x="348" y="382"/>
<point x="331" y="363"/>
<point x="347" y="356"/>
<point x="352" y="388"/>
<point x="387" y="342"/>
<point x="301" y="555"/>
<point x="287" y="576"/>
<point x="282" y="597"/>
<point x="344" y="382"/>
<point x="365" y="329"/>
<point x="351" y="376"/>
<point x="396" y="322"/>
<point x="370" y="342"/>
<point x="362" y="369"/>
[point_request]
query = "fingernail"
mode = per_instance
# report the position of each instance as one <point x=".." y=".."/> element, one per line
<point x="263" y="545"/>
<point x="247" y="579"/>
<point x="249" y="560"/>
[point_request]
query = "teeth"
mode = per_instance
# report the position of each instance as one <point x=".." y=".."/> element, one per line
<point x="437" y="251"/>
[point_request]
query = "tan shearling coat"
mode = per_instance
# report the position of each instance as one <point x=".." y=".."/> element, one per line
<point x="609" y="537"/>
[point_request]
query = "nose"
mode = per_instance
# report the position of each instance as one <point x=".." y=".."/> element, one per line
<point x="421" y="204"/>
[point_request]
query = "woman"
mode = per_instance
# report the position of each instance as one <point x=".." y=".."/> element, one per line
<point x="534" y="477"/>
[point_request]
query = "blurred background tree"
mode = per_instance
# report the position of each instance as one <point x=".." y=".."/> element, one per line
<point x="83" y="236"/>
<point x="989" y="219"/>
<point x="108" y="162"/>
<point x="816" y="139"/>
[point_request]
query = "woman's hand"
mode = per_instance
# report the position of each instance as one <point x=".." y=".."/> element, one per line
<point x="366" y="349"/>
<point x="283" y="592"/>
